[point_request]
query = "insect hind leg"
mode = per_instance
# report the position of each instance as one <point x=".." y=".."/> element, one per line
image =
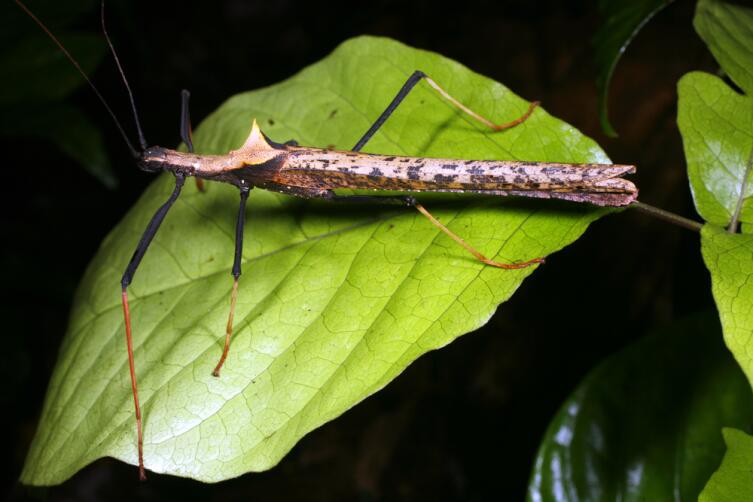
<point x="408" y="86"/>
<point x="411" y="201"/>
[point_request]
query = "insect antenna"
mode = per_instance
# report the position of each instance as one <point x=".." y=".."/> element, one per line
<point x="142" y="140"/>
<point x="62" y="48"/>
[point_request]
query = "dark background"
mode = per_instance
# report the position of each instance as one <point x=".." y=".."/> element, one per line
<point x="462" y="423"/>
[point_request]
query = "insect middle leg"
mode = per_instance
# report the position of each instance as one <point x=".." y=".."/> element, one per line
<point x="238" y="257"/>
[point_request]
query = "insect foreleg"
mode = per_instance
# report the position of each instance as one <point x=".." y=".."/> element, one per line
<point x="236" y="275"/>
<point x="411" y="83"/>
<point x="143" y="245"/>
<point x="186" y="131"/>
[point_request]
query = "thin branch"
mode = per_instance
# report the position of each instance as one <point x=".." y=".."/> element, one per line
<point x="732" y="228"/>
<point x="667" y="216"/>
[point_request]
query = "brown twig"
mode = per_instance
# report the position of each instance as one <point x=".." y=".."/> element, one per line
<point x="667" y="216"/>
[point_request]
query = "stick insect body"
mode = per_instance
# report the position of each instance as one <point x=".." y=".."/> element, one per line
<point x="316" y="173"/>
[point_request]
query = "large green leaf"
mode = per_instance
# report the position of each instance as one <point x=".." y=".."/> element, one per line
<point x="729" y="258"/>
<point x="728" y="31"/>
<point x="716" y="125"/>
<point x="733" y="482"/>
<point x="622" y="22"/>
<point x="335" y="301"/>
<point x="717" y="128"/>
<point x="646" y="423"/>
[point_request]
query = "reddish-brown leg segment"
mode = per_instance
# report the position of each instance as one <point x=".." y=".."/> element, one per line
<point x="472" y="250"/>
<point x="497" y="127"/>
<point x="228" y="328"/>
<point x="134" y="387"/>
<point x="411" y="201"/>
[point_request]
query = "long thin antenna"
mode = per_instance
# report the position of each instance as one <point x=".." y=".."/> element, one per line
<point x="133" y="150"/>
<point x="142" y="140"/>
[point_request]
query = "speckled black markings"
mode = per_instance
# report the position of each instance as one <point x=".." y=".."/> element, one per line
<point x="599" y="184"/>
<point x="443" y="178"/>
<point x="414" y="173"/>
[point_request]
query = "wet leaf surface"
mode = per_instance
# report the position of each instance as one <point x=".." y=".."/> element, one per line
<point x="646" y="423"/>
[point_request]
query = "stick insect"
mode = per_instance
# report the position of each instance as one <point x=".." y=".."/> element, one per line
<point x="316" y="173"/>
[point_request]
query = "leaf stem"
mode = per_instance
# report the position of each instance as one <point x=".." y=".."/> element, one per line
<point x="732" y="228"/>
<point x="667" y="216"/>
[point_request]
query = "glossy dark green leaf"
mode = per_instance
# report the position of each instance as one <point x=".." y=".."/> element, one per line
<point x="646" y="423"/>
<point x="727" y="29"/>
<point x="335" y="301"/>
<point x="622" y="20"/>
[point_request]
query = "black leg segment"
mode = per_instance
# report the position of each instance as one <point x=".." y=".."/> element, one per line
<point x="239" y="233"/>
<point x="411" y="83"/>
<point x="402" y="93"/>
<point x="149" y="233"/>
